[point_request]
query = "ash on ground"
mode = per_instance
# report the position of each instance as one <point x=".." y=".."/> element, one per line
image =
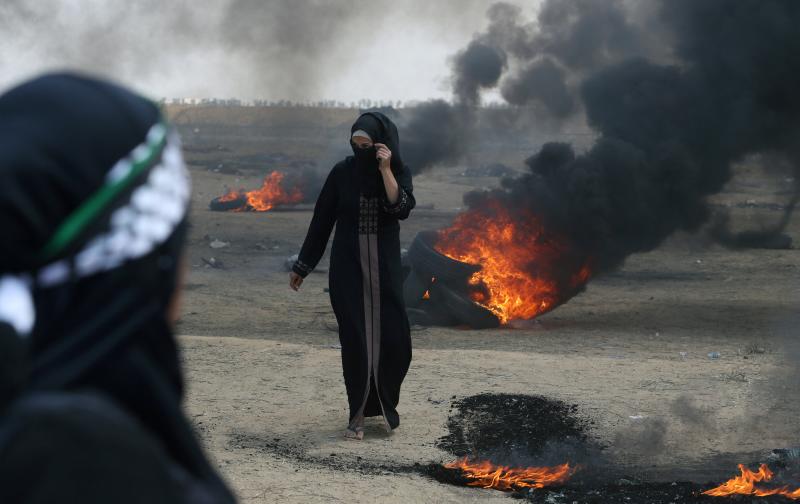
<point x="522" y="430"/>
<point x="516" y="429"/>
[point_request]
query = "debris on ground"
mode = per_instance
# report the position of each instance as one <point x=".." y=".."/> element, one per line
<point x="213" y="262"/>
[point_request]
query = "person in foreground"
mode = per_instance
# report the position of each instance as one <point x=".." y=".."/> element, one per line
<point x="365" y="196"/>
<point x="93" y="206"/>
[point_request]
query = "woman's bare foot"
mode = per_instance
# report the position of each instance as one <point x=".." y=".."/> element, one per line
<point x="356" y="433"/>
<point x="355" y="430"/>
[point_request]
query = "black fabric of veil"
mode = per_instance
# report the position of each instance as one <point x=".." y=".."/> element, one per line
<point x="382" y="130"/>
<point x="101" y="358"/>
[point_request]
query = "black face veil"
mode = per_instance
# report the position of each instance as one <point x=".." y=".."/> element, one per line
<point x="382" y="130"/>
<point x="93" y="205"/>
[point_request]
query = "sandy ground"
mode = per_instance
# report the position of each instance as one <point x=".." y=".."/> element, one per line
<point x="265" y="382"/>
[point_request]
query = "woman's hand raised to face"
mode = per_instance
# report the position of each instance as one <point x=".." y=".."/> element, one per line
<point x="295" y="280"/>
<point x="384" y="156"/>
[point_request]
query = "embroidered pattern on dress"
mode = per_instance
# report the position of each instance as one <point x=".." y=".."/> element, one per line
<point x="400" y="205"/>
<point x="304" y="268"/>
<point x="368" y="216"/>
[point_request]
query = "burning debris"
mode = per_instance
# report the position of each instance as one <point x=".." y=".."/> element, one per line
<point x="511" y="443"/>
<point x="746" y="484"/>
<point x="484" y="474"/>
<point x="672" y="116"/>
<point x="526" y="270"/>
<point x="490" y="428"/>
<point x="436" y="288"/>
<point x="276" y="190"/>
<point x="520" y="269"/>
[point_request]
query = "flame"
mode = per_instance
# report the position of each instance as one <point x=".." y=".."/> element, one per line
<point x="745" y="484"/>
<point x="427" y="294"/>
<point x="488" y="475"/>
<point x="526" y="269"/>
<point x="230" y="196"/>
<point x="271" y="194"/>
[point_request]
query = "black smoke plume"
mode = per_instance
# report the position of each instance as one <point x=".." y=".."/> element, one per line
<point x="536" y="64"/>
<point x="478" y="67"/>
<point x="436" y="133"/>
<point x="543" y="81"/>
<point x="669" y="133"/>
<point x="542" y="62"/>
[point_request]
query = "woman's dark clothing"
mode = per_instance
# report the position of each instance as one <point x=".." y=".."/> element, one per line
<point x="365" y="272"/>
<point x="81" y="446"/>
<point x="93" y="195"/>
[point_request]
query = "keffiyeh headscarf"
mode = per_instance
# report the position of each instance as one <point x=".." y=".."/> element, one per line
<point x="93" y="203"/>
<point x="93" y="188"/>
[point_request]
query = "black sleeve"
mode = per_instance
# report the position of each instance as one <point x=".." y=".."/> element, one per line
<point x="405" y="197"/>
<point x="319" y="231"/>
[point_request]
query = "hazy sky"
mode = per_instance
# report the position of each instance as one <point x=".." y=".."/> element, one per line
<point x="279" y="49"/>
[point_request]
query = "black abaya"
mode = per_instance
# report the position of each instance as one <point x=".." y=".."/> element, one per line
<point x="365" y="276"/>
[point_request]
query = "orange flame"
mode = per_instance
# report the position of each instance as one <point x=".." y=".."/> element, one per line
<point x="427" y="294"/>
<point x="268" y="196"/>
<point x="485" y="474"/>
<point x="526" y="270"/>
<point x="745" y="484"/>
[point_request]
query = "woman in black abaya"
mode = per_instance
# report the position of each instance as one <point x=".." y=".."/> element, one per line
<point x="93" y="204"/>
<point x="365" y="196"/>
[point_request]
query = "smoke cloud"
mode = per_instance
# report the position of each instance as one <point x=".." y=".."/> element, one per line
<point x="669" y="133"/>
<point x="305" y="50"/>
<point x="436" y="133"/>
<point x="543" y="81"/>
<point x="478" y="67"/>
<point x="542" y="61"/>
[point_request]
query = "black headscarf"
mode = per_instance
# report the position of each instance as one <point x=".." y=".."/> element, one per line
<point x="93" y="198"/>
<point x="382" y="130"/>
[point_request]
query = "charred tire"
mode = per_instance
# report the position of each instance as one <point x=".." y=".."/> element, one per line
<point x="437" y="314"/>
<point x="224" y="206"/>
<point x="430" y="316"/>
<point x="428" y="262"/>
<point x="418" y="317"/>
<point x="414" y="288"/>
<point x="463" y="309"/>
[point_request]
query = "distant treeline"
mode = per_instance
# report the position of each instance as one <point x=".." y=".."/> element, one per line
<point x="331" y="104"/>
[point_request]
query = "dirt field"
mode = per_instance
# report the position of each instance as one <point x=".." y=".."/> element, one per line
<point x="265" y="382"/>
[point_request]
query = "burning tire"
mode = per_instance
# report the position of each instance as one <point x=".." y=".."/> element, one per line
<point x="414" y="289"/>
<point x="446" y="306"/>
<point x="426" y="261"/>
<point x="464" y="310"/>
<point x="418" y="317"/>
<point x="429" y="314"/>
<point x="220" y="205"/>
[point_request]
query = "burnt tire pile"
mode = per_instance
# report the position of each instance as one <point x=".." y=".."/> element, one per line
<point x="446" y="281"/>
<point x="222" y="205"/>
